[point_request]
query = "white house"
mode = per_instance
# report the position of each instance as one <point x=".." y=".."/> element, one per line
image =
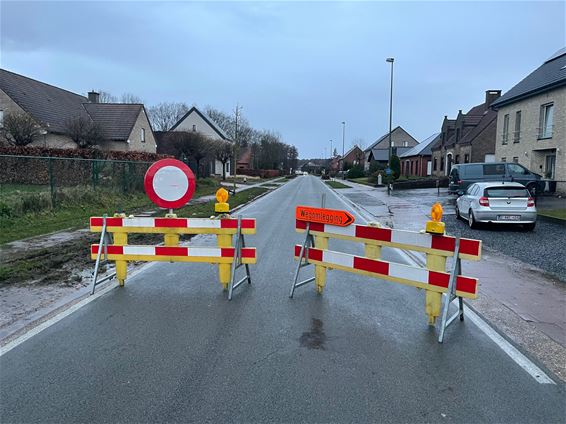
<point x="195" y="120"/>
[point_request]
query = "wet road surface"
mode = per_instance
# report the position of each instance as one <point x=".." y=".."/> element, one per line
<point x="170" y="347"/>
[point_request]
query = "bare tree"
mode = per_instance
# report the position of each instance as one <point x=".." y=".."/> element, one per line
<point x="83" y="131"/>
<point x="223" y="151"/>
<point x="130" y="98"/>
<point x="164" y="115"/>
<point x="188" y="144"/>
<point x="106" y="97"/>
<point x="360" y="142"/>
<point x="20" y="129"/>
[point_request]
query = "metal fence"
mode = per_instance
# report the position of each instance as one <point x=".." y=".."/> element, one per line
<point x="31" y="174"/>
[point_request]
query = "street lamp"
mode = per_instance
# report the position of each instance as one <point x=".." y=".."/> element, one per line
<point x="390" y="60"/>
<point x="343" y="137"/>
<point x="331" y="155"/>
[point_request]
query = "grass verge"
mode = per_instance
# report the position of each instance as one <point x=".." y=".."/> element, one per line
<point x="362" y="180"/>
<point x="337" y="184"/>
<point x="554" y="213"/>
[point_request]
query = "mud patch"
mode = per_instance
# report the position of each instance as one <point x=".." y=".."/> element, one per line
<point x="315" y="338"/>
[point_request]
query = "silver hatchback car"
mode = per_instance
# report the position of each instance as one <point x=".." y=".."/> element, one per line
<point x="497" y="202"/>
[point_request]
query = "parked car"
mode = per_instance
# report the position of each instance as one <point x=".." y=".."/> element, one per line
<point x="497" y="202"/>
<point x="462" y="175"/>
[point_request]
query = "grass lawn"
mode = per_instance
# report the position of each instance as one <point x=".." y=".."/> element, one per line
<point x="336" y="184"/>
<point x="362" y="180"/>
<point x="25" y="211"/>
<point x="555" y="213"/>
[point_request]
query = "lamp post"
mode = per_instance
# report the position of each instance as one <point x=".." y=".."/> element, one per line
<point x="390" y="60"/>
<point x="331" y="154"/>
<point x="343" y="138"/>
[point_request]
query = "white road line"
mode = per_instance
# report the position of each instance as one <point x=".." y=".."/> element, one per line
<point x="54" y="320"/>
<point x="529" y="366"/>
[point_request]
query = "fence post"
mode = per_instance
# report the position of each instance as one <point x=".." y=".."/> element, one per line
<point x="51" y="182"/>
<point x="94" y="176"/>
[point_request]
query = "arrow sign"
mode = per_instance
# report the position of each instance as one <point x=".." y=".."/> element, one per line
<point x="324" y="216"/>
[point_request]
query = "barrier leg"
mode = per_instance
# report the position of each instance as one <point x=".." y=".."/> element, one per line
<point x="319" y="270"/>
<point x="121" y="239"/>
<point x="224" y="271"/>
<point x="433" y="300"/>
<point x="372" y="251"/>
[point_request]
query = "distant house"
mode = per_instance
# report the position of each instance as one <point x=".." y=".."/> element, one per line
<point x="417" y="161"/>
<point x="401" y="141"/>
<point x="245" y="159"/>
<point x="125" y="127"/>
<point x="531" y="121"/>
<point x="468" y="138"/>
<point x="311" y="167"/>
<point x="195" y="120"/>
<point x="353" y="157"/>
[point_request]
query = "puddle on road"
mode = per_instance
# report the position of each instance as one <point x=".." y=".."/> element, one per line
<point x="315" y="338"/>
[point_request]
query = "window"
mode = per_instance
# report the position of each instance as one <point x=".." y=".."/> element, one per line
<point x="546" y="120"/>
<point x="457" y="159"/>
<point x="194" y="127"/>
<point x="405" y="143"/>
<point x="472" y="171"/>
<point x="442" y="164"/>
<point x="435" y="164"/>
<point x="494" y="169"/>
<point x="516" y="169"/>
<point x="471" y="189"/>
<point x="517" y="133"/>
<point x="506" y="192"/>
<point x="516" y="159"/>
<point x="142" y="135"/>
<point x="1" y="119"/>
<point x="505" y="129"/>
<point x="466" y="158"/>
<point x="504" y="159"/>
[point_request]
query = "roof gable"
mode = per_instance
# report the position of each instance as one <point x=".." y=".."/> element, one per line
<point x="385" y="139"/>
<point x="549" y="75"/>
<point x="213" y="125"/>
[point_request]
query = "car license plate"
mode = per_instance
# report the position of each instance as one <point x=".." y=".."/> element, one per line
<point x="509" y="217"/>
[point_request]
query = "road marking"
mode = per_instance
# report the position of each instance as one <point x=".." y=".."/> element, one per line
<point x="520" y="359"/>
<point x="55" y="319"/>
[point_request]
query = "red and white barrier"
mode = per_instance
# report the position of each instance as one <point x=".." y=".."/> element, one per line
<point x="145" y="222"/>
<point x="153" y="252"/>
<point x="415" y="276"/>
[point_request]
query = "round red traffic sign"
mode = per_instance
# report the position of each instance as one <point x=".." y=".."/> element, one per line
<point x="169" y="183"/>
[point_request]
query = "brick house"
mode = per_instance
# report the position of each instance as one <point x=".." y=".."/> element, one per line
<point x="195" y="120"/>
<point x="417" y="162"/>
<point x="468" y="138"/>
<point x="531" y="124"/>
<point x="378" y="151"/>
<point x="354" y="156"/>
<point x="125" y="127"/>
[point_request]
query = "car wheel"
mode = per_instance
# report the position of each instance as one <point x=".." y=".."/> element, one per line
<point x="529" y="227"/>
<point x="471" y="220"/>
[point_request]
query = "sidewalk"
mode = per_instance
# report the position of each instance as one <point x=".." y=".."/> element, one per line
<point x="524" y="302"/>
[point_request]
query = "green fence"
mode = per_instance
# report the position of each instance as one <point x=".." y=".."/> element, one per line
<point x="52" y="179"/>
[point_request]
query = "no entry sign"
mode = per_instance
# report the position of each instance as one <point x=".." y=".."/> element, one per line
<point x="169" y="183"/>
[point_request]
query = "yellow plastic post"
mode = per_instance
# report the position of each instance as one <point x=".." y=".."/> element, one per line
<point x="121" y="239"/>
<point x="433" y="300"/>
<point x="224" y="270"/>
<point x="171" y="239"/>
<point x="319" y="270"/>
<point x="372" y="251"/>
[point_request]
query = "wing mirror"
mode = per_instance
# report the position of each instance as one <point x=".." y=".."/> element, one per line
<point x="460" y="192"/>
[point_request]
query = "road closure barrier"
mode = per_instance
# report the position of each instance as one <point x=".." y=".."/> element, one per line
<point x="434" y="279"/>
<point x="169" y="183"/>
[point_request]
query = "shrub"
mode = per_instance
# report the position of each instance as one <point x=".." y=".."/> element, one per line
<point x="396" y="166"/>
<point x="356" y="171"/>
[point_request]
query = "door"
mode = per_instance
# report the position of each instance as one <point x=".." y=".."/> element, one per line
<point x="550" y="165"/>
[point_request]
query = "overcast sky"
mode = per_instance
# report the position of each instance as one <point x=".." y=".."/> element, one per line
<point x="299" y="68"/>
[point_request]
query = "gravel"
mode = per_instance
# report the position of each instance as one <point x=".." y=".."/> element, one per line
<point x="543" y="247"/>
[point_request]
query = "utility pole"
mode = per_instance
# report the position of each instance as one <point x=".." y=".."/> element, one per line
<point x="236" y="144"/>
<point x="343" y="138"/>
<point x="390" y="60"/>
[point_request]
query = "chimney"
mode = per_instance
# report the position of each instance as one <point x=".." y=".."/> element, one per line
<point x="93" y="97"/>
<point x="491" y="96"/>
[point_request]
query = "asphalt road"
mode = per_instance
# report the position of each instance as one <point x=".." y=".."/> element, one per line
<point x="169" y="347"/>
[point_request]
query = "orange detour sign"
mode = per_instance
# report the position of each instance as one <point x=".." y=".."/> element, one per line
<point x="324" y="216"/>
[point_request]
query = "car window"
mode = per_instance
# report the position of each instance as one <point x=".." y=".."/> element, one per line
<point x="494" y="169"/>
<point x="471" y="189"/>
<point x="506" y="192"/>
<point x="472" y="171"/>
<point x="515" y="169"/>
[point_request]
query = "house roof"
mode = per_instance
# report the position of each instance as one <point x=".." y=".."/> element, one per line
<point x="423" y="148"/>
<point x="115" y="119"/>
<point x="206" y="118"/>
<point x="53" y="107"/>
<point x="384" y="136"/>
<point x="549" y="75"/>
<point x="383" y="154"/>
<point x="48" y="105"/>
<point x="487" y="119"/>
